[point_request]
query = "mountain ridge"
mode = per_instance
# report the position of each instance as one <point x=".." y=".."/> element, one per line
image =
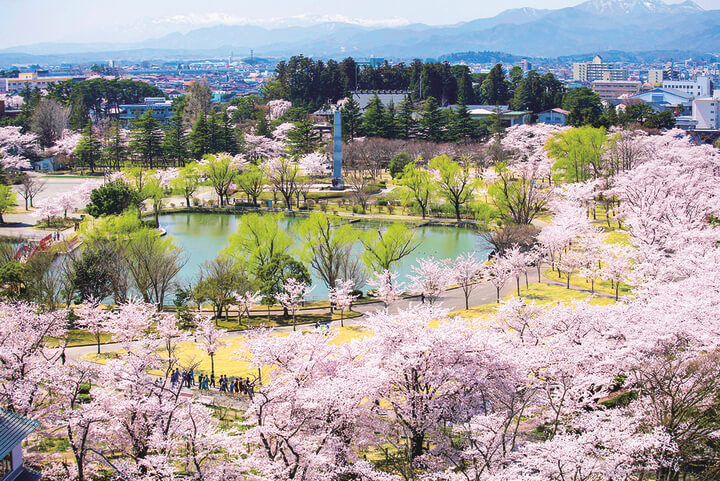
<point x="628" y="25"/>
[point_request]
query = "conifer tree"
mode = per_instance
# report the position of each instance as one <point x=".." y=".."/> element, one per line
<point x="175" y="143"/>
<point x="303" y="139"/>
<point x="199" y="138"/>
<point x="88" y="149"/>
<point x="114" y="151"/>
<point x="146" y="140"/>
<point x="432" y="121"/>
<point x="351" y="119"/>
<point x="79" y="114"/>
<point x="404" y="122"/>
<point x="374" y="120"/>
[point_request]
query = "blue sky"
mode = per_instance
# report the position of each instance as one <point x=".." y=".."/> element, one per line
<point x="35" y="21"/>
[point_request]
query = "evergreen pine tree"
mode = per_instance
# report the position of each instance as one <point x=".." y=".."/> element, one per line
<point x="146" y="140"/>
<point x="215" y="140"/>
<point x="374" y="119"/>
<point x="303" y="139"/>
<point x="404" y="122"/>
<point x="79" y="114"/>
<point x="199" y="138"/>
<point x="88" y="149"/>
<point x="114" y="151"/>
<point x="390" y="131"/>
<point x="432" y="121"/>
<point x="227" y="134"/>
<point x="462" y="126"/>
<point x="175" y="143"/>
<point x="261" y="124"/>
<point x="494" y="88"/>
<point x="351" y="119"/>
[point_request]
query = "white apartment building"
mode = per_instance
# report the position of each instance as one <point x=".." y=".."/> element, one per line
<point x="700" y="87"/>
<point x="706" y="114"/>
<point x="597" y="70"/>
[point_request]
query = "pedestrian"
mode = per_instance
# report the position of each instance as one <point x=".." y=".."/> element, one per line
<point x="62" y="357"/>
<point x="212" y="379"/>
<point x="192" y="377"/>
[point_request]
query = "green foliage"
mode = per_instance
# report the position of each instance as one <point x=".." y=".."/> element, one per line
<point x="303" y="139"/>
<point x="433" y="122"/>
<point x="200" y="138"/>
<point x="175" y="144"/>
<point x="384" y="249"/>
<point x="111" y="199"/>
<point x="146" y="140"/>
<point x="584" y="105"/>
<point x="251" y="181"/>
<point x="375" y="122"/>
<point x="88" y="150"/>
<point x="420" y="185"/>
<point x="398" y="163"/>
<point x="272" y="275"/>
<point x="258" y="239"/>
<point x="620" y="400"/>
<point x="454" y="182"/>
<point x="351" y="119"/>
<point x="102" y="95"/>
<point x="114" y="152"/>
<point x="495" y="89"/>
<point x="12" y="279"/>
<point x="578" y="153"/>
<point x="7" y="200"/>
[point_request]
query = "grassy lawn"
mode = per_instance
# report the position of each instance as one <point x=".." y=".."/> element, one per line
<point x="615" y="236"/>
<point x="578" y="281"/>
<point x="277" y="320"/>
<point x="79" y="337"/>
<point x="227" y="358"/>
<point x="541" y="294"/>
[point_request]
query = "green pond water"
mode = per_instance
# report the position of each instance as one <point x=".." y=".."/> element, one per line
<point x="202" y="236"/>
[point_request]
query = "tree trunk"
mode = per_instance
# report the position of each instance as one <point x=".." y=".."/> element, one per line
<point x="457" y="211"/>
<point x="212" y="365"/>
<point x="517" y="281"/>
<point x="416" y="445"/>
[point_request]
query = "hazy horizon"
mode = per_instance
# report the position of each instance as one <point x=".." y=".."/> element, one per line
<point x="39" y="21"/>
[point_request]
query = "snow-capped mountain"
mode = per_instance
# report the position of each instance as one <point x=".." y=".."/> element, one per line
<point x="613" y="8"/>
<point x="595" y="25"/>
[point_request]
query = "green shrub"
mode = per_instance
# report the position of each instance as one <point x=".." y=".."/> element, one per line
<point x="620" y="400"/>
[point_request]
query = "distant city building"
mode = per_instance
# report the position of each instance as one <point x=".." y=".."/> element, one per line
<point x="508" y="117"/>
<point x="700" y="87"/>
<point x="363" y="97"/>
<point x="33" y="80"/>
<point x="161" y="108"/>
<point x="656" y="77"/>
<point x="664" y="99"/>
<point x="525" y="65"/>
<point x="13" y="430"/>
<point x="705" y="113"/>
<point x="613" y="89"/>
<point x="553" y="116"/>
<point x="597" y="70"/>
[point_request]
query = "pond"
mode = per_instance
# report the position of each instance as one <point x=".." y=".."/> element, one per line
<point x="202" y="236"/>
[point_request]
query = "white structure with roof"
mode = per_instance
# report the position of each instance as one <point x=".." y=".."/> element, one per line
<point x="705" y="113"/>
<point x="700" y="87"/>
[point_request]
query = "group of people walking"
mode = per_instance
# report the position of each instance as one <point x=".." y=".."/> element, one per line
<point x="205" y="382"/>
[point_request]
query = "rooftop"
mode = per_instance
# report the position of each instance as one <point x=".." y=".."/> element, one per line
<point x="13" y="429"/>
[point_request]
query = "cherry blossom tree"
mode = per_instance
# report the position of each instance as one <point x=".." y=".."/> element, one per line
<point x="245" y="302"/>
<point x="499" y="272"/>
<point x="315" y="164"/>
<point x="518" y="263"/>
<point x="24" y="356"/>
<point x="293" y="296"/>
<point x="342" y="297"/>
<point x="387" y="289"/>
<point x="93" y="318"/>
<point x="429" y="277"/>
<point x="277" y="108"/>
<point x="466" y="270"/>
<point x="210" y="338"/>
